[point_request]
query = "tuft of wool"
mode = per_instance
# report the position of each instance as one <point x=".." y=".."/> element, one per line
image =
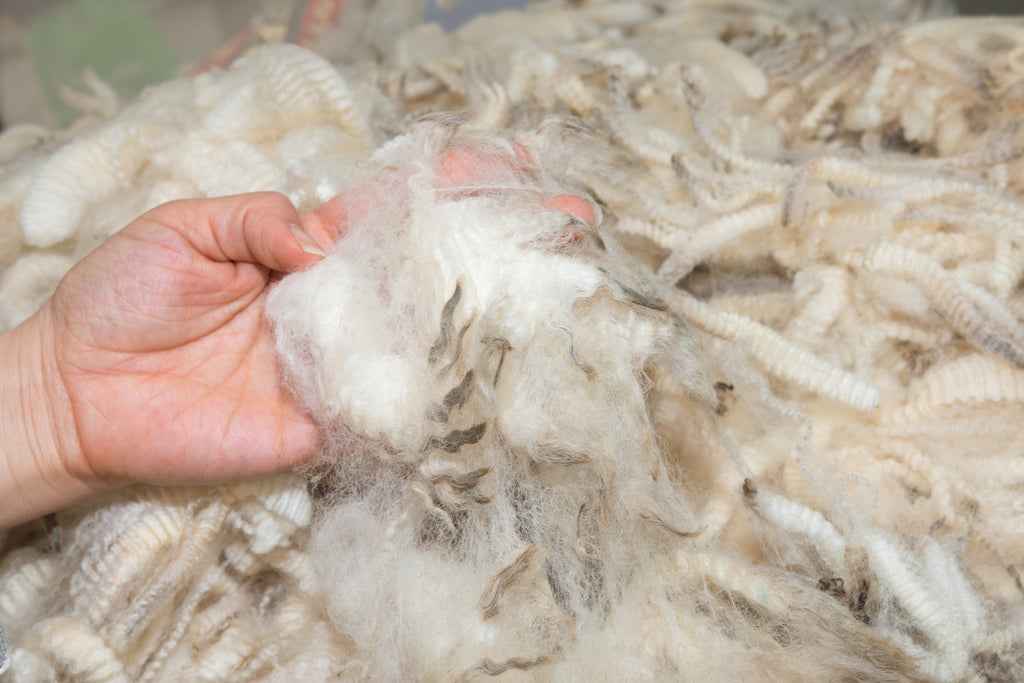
<point x="760" y="421"/>
<point x="485" y="369"/>
<point x="489" y="360"/>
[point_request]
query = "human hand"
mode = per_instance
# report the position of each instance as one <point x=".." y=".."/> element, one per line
<point x="152" y="361"/>
<point x="163" y="353"/>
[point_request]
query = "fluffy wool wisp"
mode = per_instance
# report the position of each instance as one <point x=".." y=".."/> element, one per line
<point x="484" y="357"/>
<point x="485" y="368"/>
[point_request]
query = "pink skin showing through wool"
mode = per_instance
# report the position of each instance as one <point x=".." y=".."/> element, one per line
<point x="461" y="168"/>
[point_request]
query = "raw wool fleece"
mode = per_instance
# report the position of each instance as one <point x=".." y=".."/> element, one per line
<point x="761" y="421"/>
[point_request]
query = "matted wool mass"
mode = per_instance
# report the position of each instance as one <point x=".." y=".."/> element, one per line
<point x="759" y="421"/>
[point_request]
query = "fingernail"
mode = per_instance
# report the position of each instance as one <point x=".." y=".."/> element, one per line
<point x="521" y="153"/>
<point x="306" y="242"/>
<point x="575" y="206"/>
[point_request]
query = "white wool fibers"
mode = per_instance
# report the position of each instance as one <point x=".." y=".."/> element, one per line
<point x="845" y="243"/>
<point x="493" y="371"/>
<point x="499" y="499"/>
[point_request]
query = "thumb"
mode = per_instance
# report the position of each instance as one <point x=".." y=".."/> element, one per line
<point x="260" y="227"/>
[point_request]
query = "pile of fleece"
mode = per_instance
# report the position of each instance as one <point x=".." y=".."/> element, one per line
<point x="759" y="421"/>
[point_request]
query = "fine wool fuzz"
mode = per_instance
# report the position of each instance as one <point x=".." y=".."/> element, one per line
<point x="759" y="420"/>
<point x="488" y="361"/>
<point x="487" y="370"/>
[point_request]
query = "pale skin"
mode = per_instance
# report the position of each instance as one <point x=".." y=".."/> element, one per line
<point x="153" y="362"/>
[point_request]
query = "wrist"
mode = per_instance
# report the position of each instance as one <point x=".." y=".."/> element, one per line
<point x="39" y="451"/>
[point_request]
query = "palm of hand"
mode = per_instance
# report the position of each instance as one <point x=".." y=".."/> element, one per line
<point x="168" y="364"/>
